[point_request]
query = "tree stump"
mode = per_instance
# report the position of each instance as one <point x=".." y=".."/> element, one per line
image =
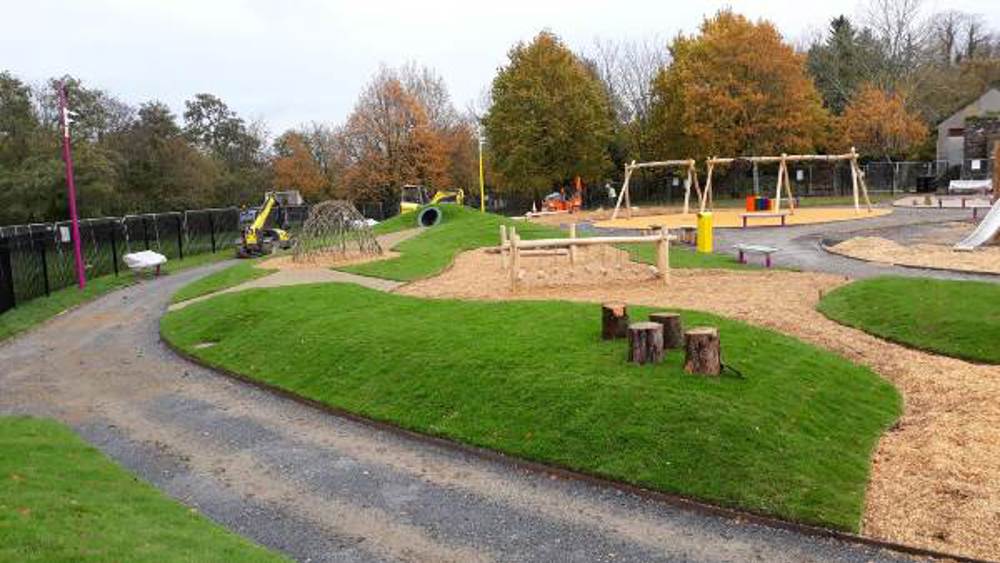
<point x="645" y="343"/>
<point x="673" y="330"/>
<point x="614" y="321"/>
<point x="702" y="351"/>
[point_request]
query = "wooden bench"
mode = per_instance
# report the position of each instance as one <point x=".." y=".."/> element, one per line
<point x="745" y="249"/>
<point x="764" y="215"/>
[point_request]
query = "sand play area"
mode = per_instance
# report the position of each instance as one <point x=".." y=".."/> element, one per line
<point x="936" y="474"/>
<point x="731" y="218"/>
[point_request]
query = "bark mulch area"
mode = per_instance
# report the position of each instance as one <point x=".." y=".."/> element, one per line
<point x="876" y="249"/>
<point x="936" y="475"/>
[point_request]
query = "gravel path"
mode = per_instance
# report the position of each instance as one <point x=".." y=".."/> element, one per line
<point x="320" y="487"/>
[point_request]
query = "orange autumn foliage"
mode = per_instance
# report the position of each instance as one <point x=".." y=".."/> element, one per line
<point x="736" y="89"/>
<point x="297" y="169"/>
<point x="877" y="123"/>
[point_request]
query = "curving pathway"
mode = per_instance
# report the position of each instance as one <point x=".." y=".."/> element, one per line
<point x="323" y="488"/>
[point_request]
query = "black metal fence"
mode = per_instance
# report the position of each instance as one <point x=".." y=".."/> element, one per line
<point x="37" y="259"/>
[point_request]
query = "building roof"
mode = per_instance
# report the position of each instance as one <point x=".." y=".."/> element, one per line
<point x="969" y="101"/>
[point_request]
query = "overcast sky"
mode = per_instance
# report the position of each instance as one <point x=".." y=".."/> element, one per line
<point x="293" y="61"/>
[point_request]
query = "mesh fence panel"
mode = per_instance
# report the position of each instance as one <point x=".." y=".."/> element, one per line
<point x="41" y="256"/>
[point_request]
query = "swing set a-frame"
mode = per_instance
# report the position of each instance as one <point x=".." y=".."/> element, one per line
<point x="783" y="185"/>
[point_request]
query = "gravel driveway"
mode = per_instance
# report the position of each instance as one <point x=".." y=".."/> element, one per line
<point x="319" y="487"/>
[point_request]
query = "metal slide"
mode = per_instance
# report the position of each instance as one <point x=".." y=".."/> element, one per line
<point x="986" y="230"/>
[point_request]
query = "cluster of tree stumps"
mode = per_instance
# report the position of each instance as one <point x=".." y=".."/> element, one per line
<point x="649" y="340"/>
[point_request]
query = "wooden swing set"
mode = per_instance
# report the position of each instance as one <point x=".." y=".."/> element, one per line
<point x="784" y="183"/>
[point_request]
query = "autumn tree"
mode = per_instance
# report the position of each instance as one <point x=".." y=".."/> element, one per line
<point x="877" y="122"/>
<point x="388" y="141"/>
<point x="295" y="167"/>
<point x="550" y="119"/>
<point x="735" y="89"/>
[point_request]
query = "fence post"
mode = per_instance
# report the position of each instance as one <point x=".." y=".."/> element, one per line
<point x="211" y="230"/>
<point x="114" y="250"/>
<point x="180" y="243"/>
<point x="45" y="262"/>
<point x="6" y="277"/>
<point x="145" y="232"/>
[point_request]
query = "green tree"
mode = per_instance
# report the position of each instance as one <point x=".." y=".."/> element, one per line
<point x="842" y="61"/>
<point x="550" y="119"/>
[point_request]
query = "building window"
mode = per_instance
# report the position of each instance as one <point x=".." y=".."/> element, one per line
<point x="956" y="132"/>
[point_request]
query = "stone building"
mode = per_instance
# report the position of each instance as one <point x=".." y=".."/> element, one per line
<point x="964" y="138"/>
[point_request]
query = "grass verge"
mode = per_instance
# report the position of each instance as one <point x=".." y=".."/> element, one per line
<point x="954" y="318"/>
<point x="791" y="438"/>
<point x="35" y="311"/>
<point x="244" y="271"/>
<point x="62" y="500"/>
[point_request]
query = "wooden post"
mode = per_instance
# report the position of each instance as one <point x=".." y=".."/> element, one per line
<point x="572" y="247"/>
<point x="781" y="179"/>
<point x="614" y="320"/>
<point x="645" y="343"/>
<point x="703" y="196"/>
<point x="504" y="242"/>
<point x="702" y="351"/>
<point x="673" y="329"/>
<point x="663" y="255"/>
<point x="515" y="258"/>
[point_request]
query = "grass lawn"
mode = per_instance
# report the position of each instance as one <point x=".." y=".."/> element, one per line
<point x="954" y="318"/>
<point x="62" y="500"/>
<point x="684" y="257"/>
<point x="40" y="309"/>
<point x="533" y="379"/>
<point x="430" y="252"/>
<point x="244" y="271"/>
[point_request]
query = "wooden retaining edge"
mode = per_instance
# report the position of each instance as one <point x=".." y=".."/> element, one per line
<point x="671" y="499"/>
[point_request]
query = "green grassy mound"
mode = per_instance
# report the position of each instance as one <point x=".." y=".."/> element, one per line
<point x="533" y="379"/>
<point x="430" y="252"/>
<point x="62" y="500"/>
<point x="954" y="318"/>
<point x="244" y="271"/>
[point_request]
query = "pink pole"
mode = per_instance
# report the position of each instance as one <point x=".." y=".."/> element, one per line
<point x="81" y="279"/>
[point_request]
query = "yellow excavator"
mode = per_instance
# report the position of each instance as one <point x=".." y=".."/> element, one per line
<point x="257" y="239"/>
<point x="415" y="197"/>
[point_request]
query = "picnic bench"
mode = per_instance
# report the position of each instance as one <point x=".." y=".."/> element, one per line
<point x="764" y="215"/>
<point x="745" y="249"/>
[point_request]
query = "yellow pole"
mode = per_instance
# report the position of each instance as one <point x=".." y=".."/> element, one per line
<point x="482" y="185"/>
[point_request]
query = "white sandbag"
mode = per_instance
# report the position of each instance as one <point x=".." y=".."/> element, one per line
<point x="144" y="259"/>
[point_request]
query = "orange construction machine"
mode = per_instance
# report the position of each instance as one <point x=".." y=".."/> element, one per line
<point x="559" y="201"/>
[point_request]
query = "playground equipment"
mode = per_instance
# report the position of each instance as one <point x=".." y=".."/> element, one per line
<point x="512" y="249"/>
<point x="335" y="229"/>
<point x="414" y="197"/>
<point x="257" y="239"/>
<point x="558" y="202"/>
<point x="987" y="230"/>
<point x="630" y="168"/>
<point x="784" y="183"/>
